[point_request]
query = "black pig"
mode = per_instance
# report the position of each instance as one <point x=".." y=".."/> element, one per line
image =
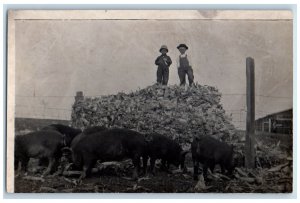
<point x="94" y="129"/>
<point x="89" y="130"/>
<point x="109" y="145"/>
<point x="209" y="152"/>
<point x="69" y="132"/>
<point x="41" y="144"/>
<point x="166" y="149"/>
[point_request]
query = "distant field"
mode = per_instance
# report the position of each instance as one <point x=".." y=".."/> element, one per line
<point x="33" y="124"/>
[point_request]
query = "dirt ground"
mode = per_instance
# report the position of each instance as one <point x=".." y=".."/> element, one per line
<point x="274" y="179"/>
<point x="108" y="183"/>
<point x="162" y="182"/>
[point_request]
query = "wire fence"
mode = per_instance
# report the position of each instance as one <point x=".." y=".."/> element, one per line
<point x="257" y="95"/>
<point x="45" y="111"/>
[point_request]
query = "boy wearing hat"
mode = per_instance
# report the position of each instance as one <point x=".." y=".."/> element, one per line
<point x="163" y="62"/>
<point x="184" y="65"/>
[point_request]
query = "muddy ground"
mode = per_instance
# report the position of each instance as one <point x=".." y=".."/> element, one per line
<point x="270" y="179"/>
<point x="162" y="182"/>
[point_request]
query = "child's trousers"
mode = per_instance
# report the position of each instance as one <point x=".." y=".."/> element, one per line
<point x="182" y="71"/>
<point x="162" y="75"/>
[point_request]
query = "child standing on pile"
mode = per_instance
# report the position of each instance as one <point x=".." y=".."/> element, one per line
<point x="184" y="65"/>
<point x="163" y="62"/>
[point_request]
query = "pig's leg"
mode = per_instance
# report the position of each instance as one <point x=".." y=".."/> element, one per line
<point x="16" y="163"/>
<point x="205" y="167"/>
<point x="58" y="171"/>
<point x="196" y="168"/>
<point x="152" y="163"/>
<point x="168" y="166"/>
<point x="17" y="167"/>
<point x="86" y="169"/>
<point x="24" y="163"/>
<point x="145" y="161"/>
<point x="163" y="165"/>
<point x="50" y="166"/>
<point x="222" y="169"/>
<point x="43" y="161"/>
<point x="84" y="172"/>
<point x="229" y="171"/>
<point x="136" y="163"/>
<point x="212" y="167"/>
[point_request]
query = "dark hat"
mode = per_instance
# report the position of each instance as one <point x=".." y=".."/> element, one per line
<point x="163" y="47"/>
<point x="182" y="45"/>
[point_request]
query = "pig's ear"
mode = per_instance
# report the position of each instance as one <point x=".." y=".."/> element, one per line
<point x="148" y="137"/>
<point x="183" y="153"/>
<point x="66" y="149"/>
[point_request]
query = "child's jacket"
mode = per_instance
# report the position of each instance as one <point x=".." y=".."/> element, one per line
<point x="163" y="61"/>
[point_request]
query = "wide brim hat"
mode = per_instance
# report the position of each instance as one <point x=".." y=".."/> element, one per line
<point x="182" y="45"/>
<point x="163" y="47"/>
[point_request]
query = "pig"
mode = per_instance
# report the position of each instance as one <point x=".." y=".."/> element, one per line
<point x="109" y="145"/>
<point x="93" y="129"/>
<point x="166" y="149"/>
<point x="41" y="144"/>
<point x="69" y="132"/>
<point x="67" y="152"/>
<point x="209" y="152"/>
<point x="88" y="130"/>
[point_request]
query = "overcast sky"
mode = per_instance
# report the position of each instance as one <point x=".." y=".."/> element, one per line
<point x="56" y="58"/>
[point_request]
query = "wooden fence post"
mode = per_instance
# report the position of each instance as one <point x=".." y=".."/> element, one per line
<point x="270" y="125"/>
<point x="250" y="127"/>
<point x="79" y="96"/>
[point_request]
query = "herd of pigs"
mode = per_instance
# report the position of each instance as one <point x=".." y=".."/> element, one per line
<point x="98" y="143"/>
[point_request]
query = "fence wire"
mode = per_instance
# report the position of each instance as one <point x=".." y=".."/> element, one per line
<point x="28" y="110"/>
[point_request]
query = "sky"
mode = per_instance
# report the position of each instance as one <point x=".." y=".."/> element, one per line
<point x="57" y="58"/>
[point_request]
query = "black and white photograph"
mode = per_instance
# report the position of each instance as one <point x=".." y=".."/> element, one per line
<point x="150" y="101"/>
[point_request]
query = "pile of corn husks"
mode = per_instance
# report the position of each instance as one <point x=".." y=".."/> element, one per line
<point x="174" y="111"/>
